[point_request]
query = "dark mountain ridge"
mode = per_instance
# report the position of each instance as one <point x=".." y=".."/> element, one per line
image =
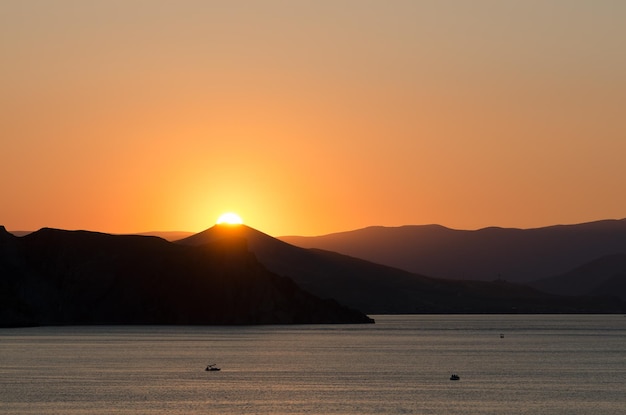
<point x="167" y="235"/>
<point x="57" y="277"/>
<point x="379" y="289"/>
<point x="516" y="255"/>
<point x="602" y="276"/>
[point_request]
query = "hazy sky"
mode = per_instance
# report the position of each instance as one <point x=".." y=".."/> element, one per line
<point x="311" y="117"/>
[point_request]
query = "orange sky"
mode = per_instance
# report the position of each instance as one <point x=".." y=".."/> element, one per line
<point x="311" y="117"/>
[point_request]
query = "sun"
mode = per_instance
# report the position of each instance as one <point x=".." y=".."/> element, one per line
<point x="229" y="218"/>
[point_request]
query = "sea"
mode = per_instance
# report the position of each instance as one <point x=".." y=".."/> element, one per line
<point x="507" y="364"/>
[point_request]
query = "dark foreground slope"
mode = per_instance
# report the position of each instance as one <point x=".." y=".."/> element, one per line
<point x="378" y="289"/>
<point x="517" y="255"/>
<point x="56" y="277"/>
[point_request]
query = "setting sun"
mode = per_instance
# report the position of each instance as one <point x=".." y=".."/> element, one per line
<point x="229" y="218"/>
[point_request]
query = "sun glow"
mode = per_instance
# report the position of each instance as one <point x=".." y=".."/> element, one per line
<point x="229" y="218"/>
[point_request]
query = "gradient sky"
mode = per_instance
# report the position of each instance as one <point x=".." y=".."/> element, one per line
<point x="311" y="117"/>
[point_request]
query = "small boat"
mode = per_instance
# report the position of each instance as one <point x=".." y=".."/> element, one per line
<point x="501" y="336"/>
<point x="212" y="368"/>
<point x="455" y="377"/>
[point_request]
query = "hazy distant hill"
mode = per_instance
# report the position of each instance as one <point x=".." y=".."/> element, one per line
<point x="603" y="276"/>
<point x="375" y="288"/>
<point x="167" y="235"/>
<point x="57" y="277"/>
<point x="21" y="233"/>
<point x="488" y="254"/>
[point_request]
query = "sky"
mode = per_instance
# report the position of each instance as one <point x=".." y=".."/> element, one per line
<point x="311" y="117"/>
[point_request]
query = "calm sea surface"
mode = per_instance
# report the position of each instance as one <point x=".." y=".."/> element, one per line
<point x="401" y="365"/>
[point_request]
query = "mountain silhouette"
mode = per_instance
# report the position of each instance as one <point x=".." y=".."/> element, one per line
<point x="516" y="255"/>
<point x="58" y="277"/>
<point x="167" y="235"/>
<point x="603" y="276"/>
<point x="380" y="289"/>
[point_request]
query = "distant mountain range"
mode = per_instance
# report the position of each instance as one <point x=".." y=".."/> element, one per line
<point x="57" y="277"/>
<point x="238" y="275"/>
<point x="167" y="235"/>
<point x="603" y="276"/>
<point x="514" y="255"/>
<point x="375" y="288"/>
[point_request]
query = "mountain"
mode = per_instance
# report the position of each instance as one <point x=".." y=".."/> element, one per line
<point x="603" y="276"/>
<point x="57" y="277"/>
<point x="21" y="233"/>
<point x="516" y="255"/>
<point x="167" y="235"/>
<point x="379" y="289"/>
